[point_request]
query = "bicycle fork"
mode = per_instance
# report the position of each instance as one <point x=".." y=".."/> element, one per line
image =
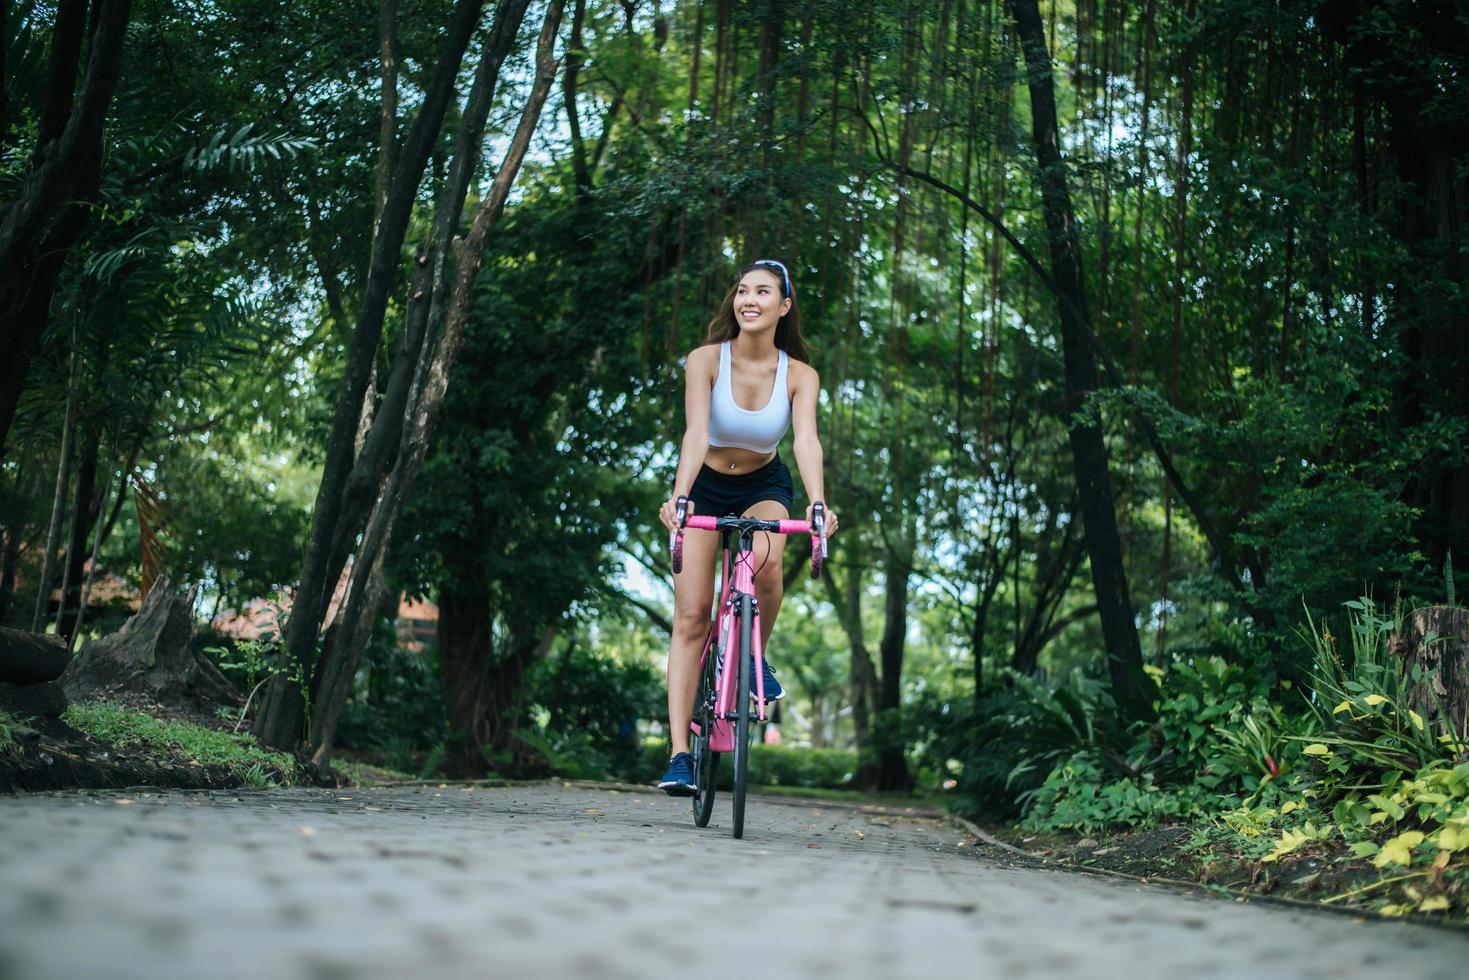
<point x="729" y="623"/>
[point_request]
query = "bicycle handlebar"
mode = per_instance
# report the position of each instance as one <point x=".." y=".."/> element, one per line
<point x="816" y="527"/>
<point x="703" y="522"/>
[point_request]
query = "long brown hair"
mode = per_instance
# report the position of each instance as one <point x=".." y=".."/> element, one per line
<point x="726" y="326"/>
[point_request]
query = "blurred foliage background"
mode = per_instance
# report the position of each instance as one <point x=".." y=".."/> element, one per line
<point x="1269" y="203"/>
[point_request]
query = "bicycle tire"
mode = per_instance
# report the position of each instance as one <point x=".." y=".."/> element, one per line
<point x="742" y="706"/>
<point x="706" y="760"/>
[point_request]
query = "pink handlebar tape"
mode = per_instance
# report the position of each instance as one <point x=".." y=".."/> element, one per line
<point x="705" y="522"/>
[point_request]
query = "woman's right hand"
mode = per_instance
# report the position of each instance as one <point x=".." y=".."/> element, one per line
<point x="668" y="513"/>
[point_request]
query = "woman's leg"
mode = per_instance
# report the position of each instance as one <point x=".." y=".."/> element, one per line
<point x="769" y="569"/>
<point x="693" y="595"/>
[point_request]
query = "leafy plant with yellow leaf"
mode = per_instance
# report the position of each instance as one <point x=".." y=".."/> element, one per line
<point x="1381" y="785"/>
<point x="1368" y="734"/>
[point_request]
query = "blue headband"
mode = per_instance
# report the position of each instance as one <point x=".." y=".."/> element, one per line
<point x="784" y="275"/>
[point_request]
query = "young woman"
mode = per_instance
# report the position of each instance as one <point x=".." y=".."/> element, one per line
<point x="744" y="387"/>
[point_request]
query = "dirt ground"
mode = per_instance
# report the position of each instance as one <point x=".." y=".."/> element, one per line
<point x="1321" y="873"/>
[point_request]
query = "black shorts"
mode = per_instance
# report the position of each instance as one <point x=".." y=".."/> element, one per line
<point x="720" y="494"/>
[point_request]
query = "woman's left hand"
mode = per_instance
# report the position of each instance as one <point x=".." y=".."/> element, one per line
<point x="831" y="520"/>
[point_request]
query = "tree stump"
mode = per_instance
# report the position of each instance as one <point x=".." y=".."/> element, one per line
<point x="1440" y="692"/>
<point x="152" y="655"/>
<point x="30" y="658"/>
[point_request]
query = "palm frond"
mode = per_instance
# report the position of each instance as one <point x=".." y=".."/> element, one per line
<point x="150" y="529"/>
<point x="242" y="150"/>
<point x="25" y="53"/>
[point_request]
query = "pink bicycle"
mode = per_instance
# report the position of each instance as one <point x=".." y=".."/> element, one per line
<point x="722" y="709"/>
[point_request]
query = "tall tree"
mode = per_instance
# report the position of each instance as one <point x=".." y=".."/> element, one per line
<point x="1132" y="687"/>
<point x="346" y="491"/>
<point x="39" y="227"/>
<point x="449" y="309"/>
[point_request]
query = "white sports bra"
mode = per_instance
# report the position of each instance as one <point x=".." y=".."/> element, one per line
<point x="758" y="431"/>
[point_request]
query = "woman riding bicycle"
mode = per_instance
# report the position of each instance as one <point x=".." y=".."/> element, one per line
<point x="753" y="356"/>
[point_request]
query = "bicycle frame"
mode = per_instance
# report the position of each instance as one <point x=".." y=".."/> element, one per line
<point x="723" y="684"/>
<point x="732" y="589"/>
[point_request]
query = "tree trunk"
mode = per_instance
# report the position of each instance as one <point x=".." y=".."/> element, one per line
<point x="16" y="528"/>
<point x="466" y="657"/>
<point x="85" y="595"/>
<point x="575" y="53"/>
<point x="85" y="513"/>
<point x="1441" y="694"/>
<point x="152" y="654"/>
<point x="387" y="138"/>
<point x="349" y="637"/>
<point x="1131" y="686"/>
<point x="279" y="721"/>
<point x="449" y="306"/>
<point x="484" y="687"/>
<point x="892" y="763"/>
<point x="40" y="227"/>
<point x="847" y="600"/>
<point x="58" y="500"/>
<point x="1424" y="310"/>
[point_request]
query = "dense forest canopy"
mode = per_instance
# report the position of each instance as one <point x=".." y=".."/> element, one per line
<point x="1141" y="330"/>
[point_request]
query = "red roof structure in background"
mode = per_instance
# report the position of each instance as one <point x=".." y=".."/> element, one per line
<point x="416" y="621"/>
<point x="262" y="619"/>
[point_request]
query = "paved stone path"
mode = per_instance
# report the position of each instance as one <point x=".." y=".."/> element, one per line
<point x="562" y="881"/>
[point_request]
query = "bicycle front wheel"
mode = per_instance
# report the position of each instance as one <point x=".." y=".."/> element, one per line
<point x="706" y="760"/>
<point x="745" y="654"/>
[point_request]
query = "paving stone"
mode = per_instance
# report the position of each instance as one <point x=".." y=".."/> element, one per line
<point x="556" y="881"/>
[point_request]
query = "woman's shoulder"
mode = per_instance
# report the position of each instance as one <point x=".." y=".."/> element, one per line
<point x="799" y="370"/>
<point x="703" y="357"/>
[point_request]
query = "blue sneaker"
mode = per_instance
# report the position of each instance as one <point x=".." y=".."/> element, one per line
<point x="679" y="779"/>
<point x="773" y="690"/>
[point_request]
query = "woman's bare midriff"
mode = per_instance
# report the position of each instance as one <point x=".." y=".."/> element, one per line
<point x="734" y="461"/>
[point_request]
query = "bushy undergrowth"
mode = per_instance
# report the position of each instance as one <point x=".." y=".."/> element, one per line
<point x="9" y="744"/>
<point x="194" y="743"/>
<point x="1342" y="761"/>
<point x="585" y="711"/>
<point x="396" y="714"/>
<point x="770" y="765"/>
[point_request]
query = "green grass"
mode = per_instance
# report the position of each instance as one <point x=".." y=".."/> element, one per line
<point x="364" y="774"/>
<point x="9" y="745"/>
<point x="132" y="729"/>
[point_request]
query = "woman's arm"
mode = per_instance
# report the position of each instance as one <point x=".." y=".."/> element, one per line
<point x="698" y="384"/>
<point x="807" y="444"/>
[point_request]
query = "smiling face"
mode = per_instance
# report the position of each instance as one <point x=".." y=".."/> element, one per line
<point x="758" y="304"/>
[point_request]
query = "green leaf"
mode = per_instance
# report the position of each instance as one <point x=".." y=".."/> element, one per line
<point x="1399" y="850"/>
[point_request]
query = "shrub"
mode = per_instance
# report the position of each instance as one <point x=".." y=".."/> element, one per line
<point x="779" y="765"/>
<point x="9" y="744"/>
<point x="770" y="765"/>
<point x="1058" y="754"/>
<point x="1079" y="795"/>
<point x="1368" y="735"/>
<point x="1004" y="745"/>
<point x="587" y="708"/>
<point x="396" y="711"/>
